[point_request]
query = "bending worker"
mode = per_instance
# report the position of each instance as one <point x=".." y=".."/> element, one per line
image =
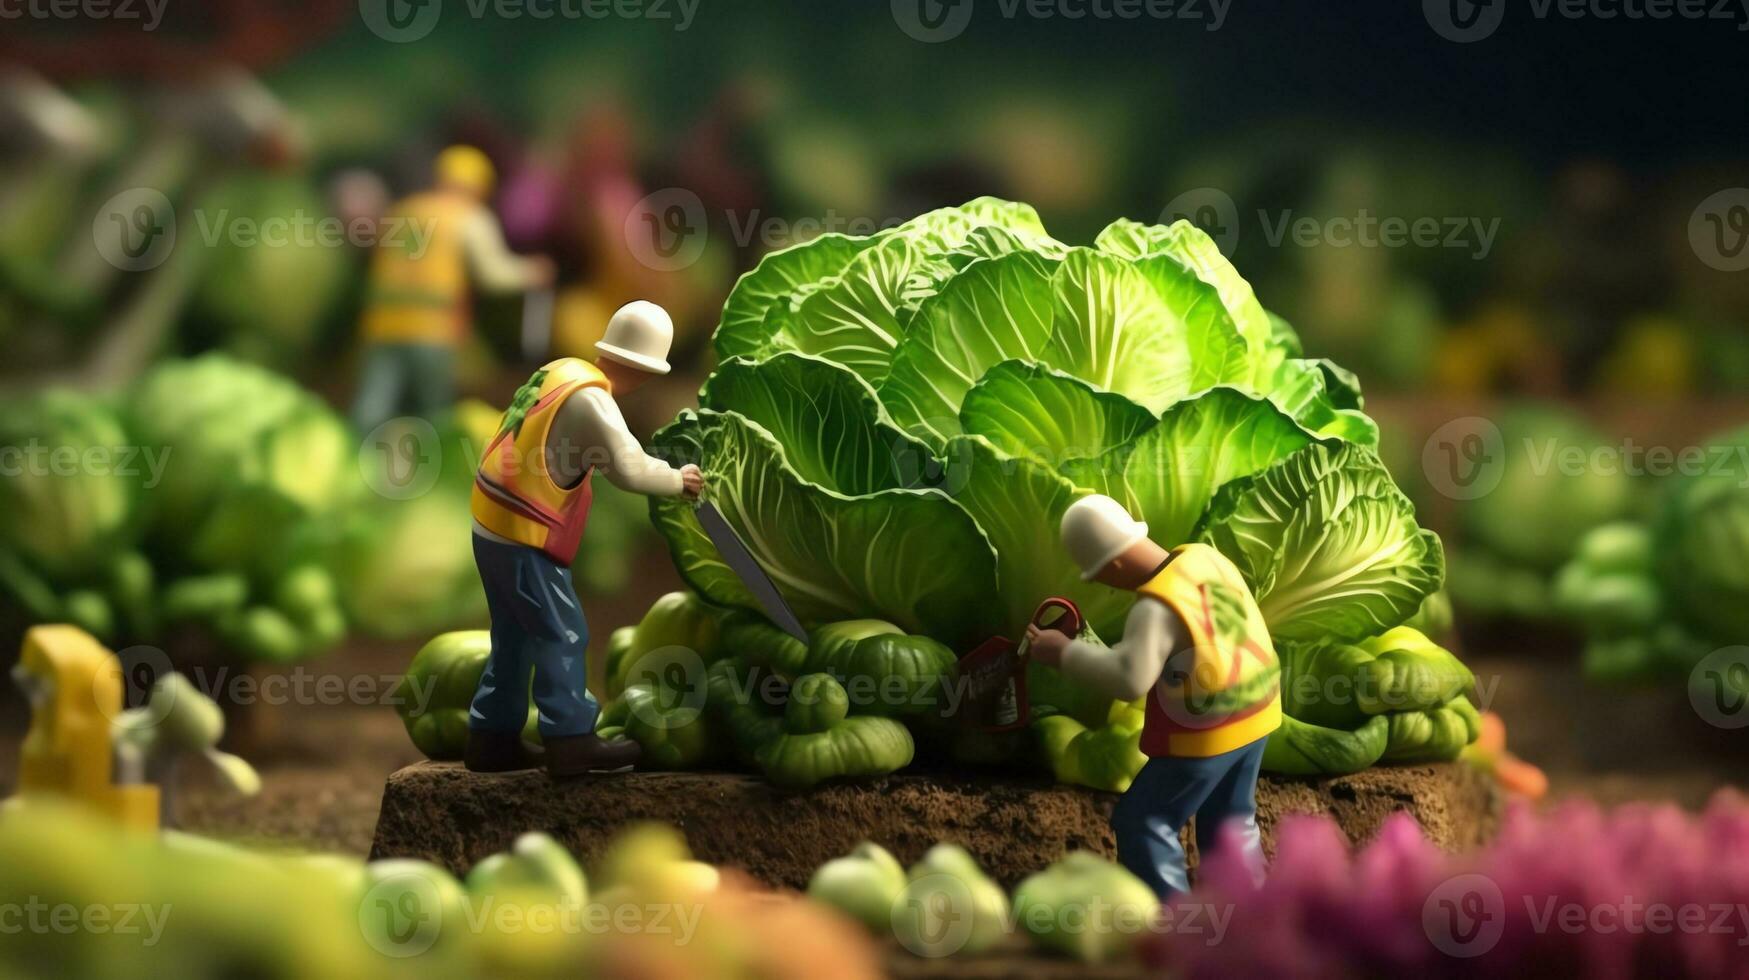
<point x="1197" y="647"/>
<point x="417" y="312"/>
<point x="531" y="499"/>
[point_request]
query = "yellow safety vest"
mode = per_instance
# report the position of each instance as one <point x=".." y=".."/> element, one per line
<point x="419" y="273"/>
<point x="1232" y="696"/>
<point x="515" y="497"/>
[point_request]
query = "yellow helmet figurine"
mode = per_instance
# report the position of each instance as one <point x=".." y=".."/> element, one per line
<point x="75" y="688"/>
<point x="466" y="168"/>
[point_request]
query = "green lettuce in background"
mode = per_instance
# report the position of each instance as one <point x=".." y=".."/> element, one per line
<point x="1668" y="596"/>
<point x="1513" y="539"/>
<point x="204" y="497"/>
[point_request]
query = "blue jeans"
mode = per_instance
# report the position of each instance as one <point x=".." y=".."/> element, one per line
<point x="397" y="377"/>
<point x="1164" y="796"/>
<point x="537" y="629"/>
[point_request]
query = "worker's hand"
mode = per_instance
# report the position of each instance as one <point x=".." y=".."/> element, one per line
<point x="541" y="272"/>
<point x="1046" y="646"/>
<point x="691" y="481"/>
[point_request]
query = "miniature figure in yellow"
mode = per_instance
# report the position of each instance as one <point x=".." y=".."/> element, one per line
<point x="75" y="690"/>
<point x="1195" y="645"/>
<point x="432" y="248"/>
<point x="531" y="499"/>
<point x="84" y="747"/>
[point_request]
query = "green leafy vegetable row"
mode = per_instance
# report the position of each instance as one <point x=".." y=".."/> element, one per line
<point x="1669" y="596"/>
<point x="1515" y="537"/>
<point x="947" y="906"/>
<point x="218" y="497"/>
<point x="201" y="497"/>
<point x="699" y="687"/>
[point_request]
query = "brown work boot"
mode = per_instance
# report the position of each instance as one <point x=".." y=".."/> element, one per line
<point x="499" y="752"/>
<point x="575" y="755"/>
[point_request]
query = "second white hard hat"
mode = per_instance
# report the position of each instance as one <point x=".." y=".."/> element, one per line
<point x="1097" y="529"/>
<point x="639" y="336"/>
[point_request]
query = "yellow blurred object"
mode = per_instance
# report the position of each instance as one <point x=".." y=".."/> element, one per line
<point x="419" y="288"/>
<point x="1463" y="364"/>
<point x="580" y="316"/>
<point x="653" y="858"/>
<point x="466" y="168"/>
<point x="69" y="750"/>
<point x="1055" y="155"/>
<point x="720" y="927"/>
<point x="205" y="908"/>
<point x="185" y="906"/>
<point x="1500" y="344"/>
<point x="477" y="421"/>
<point x="1654" y="357"/>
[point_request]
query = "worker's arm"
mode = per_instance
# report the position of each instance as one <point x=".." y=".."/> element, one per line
<point x="494" y="267"/>
<point x="591" y="422"/>
<point x="1131" y="667"/>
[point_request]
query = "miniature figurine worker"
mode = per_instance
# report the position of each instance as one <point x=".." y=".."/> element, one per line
<point x="74" y="685"/>
<point x="1196" y="645"/>
<point x="531" y="497"/>
<point x="417" y="311"/>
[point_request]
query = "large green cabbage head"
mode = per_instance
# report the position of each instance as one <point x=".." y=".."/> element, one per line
<point x="1553" y="489"/>
<point x="898" y="422"/>
<point x="255" y="463"/>
<point x="69" y="482"/>
<point x="1701" y="540"/>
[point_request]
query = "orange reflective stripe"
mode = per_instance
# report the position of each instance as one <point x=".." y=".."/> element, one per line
<point x="529" y="509"/>
<point x="515" y="495"/>
<point x="1187" y="585"/>
<point x="552" y="396"/>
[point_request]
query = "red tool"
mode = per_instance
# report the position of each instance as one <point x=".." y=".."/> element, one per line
<point x="994" y="673"/>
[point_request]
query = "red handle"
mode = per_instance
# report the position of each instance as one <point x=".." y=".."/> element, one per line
<point x="1058" y="614"/>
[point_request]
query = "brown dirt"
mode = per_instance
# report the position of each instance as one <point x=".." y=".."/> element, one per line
<point x="320" y="790"/>
<point x="443" y="813"/>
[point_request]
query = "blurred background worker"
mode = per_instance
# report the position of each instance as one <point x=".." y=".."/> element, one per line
<point x="417" y="311"/>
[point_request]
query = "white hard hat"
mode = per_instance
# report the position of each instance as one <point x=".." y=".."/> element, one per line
<point x="639" y="336"/>
<point x="1097" y="529"/>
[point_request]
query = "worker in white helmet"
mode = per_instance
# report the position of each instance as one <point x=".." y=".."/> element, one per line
<point x="1197" y="647"/>
<point x="531" y="498"/>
